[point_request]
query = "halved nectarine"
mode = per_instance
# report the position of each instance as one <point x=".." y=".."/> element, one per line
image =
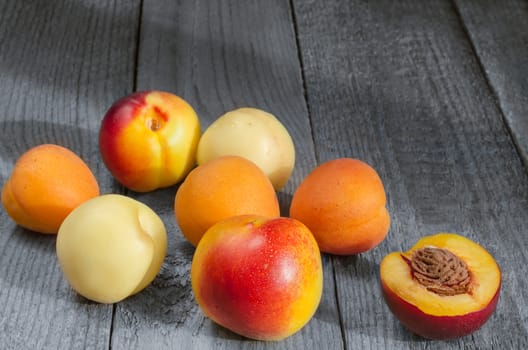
<point x="446" y="286"/>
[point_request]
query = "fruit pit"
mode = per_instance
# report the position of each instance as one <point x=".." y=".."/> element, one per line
<point x="440" y="271"/>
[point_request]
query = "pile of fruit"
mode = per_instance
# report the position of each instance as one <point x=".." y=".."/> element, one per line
<point x="253" y="271"/>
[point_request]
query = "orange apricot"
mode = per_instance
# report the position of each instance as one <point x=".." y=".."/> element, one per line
<point x="220" y="188"/>
<point x="343" y="202"/>
<point x="46" y="184"/>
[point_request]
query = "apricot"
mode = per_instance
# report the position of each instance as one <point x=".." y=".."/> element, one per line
<point x="446" y="286"/>
<point x="46" y="184"/>
<point x="220" y="188"/>
<point x="343" y="202"/>
<point x="259" y="277"/>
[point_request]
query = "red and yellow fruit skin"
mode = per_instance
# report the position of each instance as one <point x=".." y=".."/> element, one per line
<point x="148" y="140"/>
<point x="438" y="319"/>
<point x="261" y="278"/>
<point x="437" y="327"/>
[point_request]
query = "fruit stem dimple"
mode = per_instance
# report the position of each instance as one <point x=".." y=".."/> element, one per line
<point x="157" y="119"/>
<point x="440" y="271"/>
<point x="153" y="124"/>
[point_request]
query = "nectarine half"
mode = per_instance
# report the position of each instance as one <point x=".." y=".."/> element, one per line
<point x="446" y="286"/>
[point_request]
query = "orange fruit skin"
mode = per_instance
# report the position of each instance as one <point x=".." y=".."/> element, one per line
<point x="343" y="203"/>
<point x="220" y="188"/>
<point x="47" y="183"/>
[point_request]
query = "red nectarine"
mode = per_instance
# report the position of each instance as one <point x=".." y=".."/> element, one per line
<point x="148" y="140"/>
<point x="259" y="277"/>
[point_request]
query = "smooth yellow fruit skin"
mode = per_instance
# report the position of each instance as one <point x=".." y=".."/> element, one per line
<point x="255" y="135"/>
<point x="111" y="247"/>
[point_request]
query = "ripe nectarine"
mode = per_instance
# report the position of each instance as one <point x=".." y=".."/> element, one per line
<point x="148" y="140"/>
<point x="445" y="286"/>
<point x="259" y="277"/>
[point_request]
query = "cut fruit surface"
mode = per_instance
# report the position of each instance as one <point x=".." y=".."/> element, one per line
<point x="443" y="281"/>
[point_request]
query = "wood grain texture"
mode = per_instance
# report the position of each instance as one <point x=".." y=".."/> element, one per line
<point x="62" y="64"/>
<point x="397" y="85"/>
<point x="219" y="56"/>
<point x="431" y="94"/>
<point x="499" y="35"/>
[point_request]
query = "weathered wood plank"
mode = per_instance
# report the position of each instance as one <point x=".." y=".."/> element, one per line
<point x="218" y="56"/>
<point x="397" y="85"/>
<point x="394" y="83"/>
<point x="62" y="64"/>
<point x="499" y="34"/>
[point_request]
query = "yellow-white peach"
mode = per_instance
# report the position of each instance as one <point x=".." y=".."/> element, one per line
<point x="255" y="135"/>
<point x="111" y="247"/>
<point x="148" y="140"/>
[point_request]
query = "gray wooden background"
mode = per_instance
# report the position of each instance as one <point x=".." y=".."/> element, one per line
<point x="433" y="94"/>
